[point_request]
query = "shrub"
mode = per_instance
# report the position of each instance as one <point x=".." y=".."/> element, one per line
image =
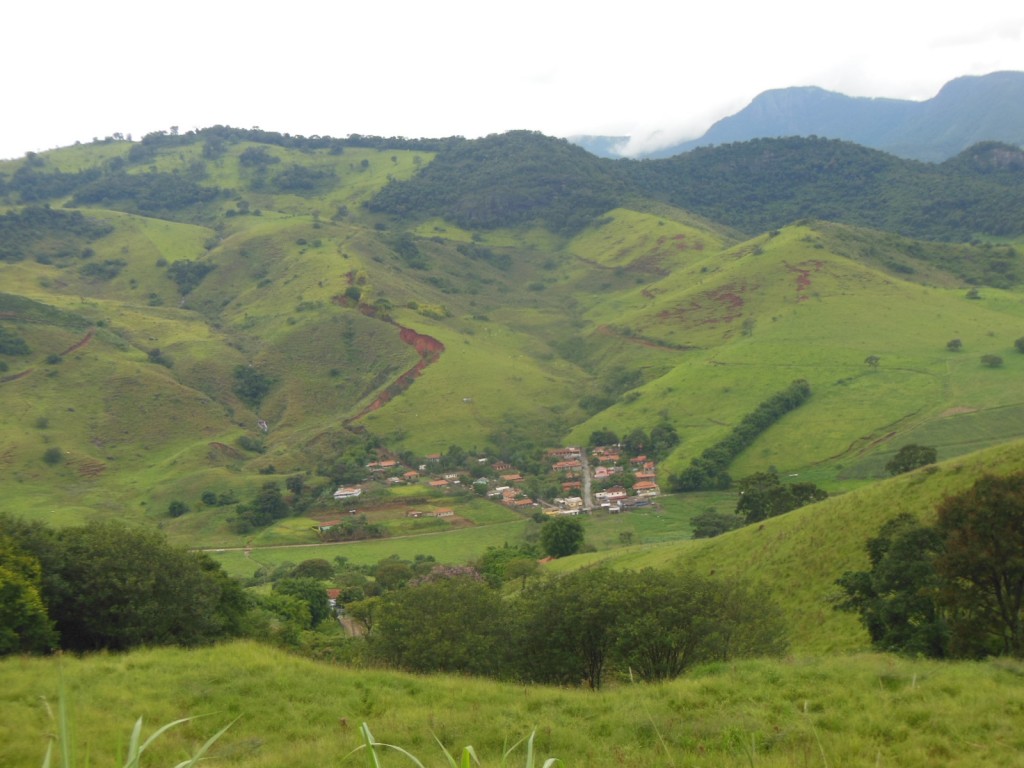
<point x="53" y="455"/>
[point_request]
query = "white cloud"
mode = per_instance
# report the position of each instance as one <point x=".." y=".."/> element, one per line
<point x="647" y="69"/>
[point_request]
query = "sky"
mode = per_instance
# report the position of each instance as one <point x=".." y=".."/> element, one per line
<point x="655" y="71"/>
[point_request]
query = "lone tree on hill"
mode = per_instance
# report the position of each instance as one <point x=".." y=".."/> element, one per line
<point x="982" y="563"/>
<point x="910" y="457"/>
<point x="991" y="361"/>
<point x="954" y="345"/>
<point x="562" y="536"/>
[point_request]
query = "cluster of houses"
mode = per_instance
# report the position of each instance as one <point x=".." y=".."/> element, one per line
<point x="577" y="472"/>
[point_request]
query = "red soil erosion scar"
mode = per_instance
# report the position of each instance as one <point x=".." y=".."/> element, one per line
<point x="427" y="347"/>
<point x="803" y="276"/>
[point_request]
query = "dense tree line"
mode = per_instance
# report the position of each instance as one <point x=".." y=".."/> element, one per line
<point x="103" y="585"/>
<point x="23" y="233"/>
<point x="762" y="184"/>
<point x="753" y="186"/>
<point x="710" y="469"/>
<point x="507" y="180"/>
<point x="151" y="193"/>
<point x="952" y="589"/>
<point x="576" y="629"/>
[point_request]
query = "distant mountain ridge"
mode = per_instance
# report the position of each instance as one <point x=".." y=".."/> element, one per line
<point x="966" y="111"/>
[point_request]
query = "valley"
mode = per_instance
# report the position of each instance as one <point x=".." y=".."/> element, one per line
<point x="367" y="355"/>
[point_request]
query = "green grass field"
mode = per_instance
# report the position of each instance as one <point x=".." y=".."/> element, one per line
<point x="858" y="710"/>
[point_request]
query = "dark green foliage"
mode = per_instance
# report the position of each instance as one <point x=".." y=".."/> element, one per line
<point x="897" y="599"/>
<point x="267" y="507"/>
<point x="251" y="386"/>
<point x="316" y="568"/>
<point x="447" y="625"/>
<point x="177" y="508"/>
<point x="991" y="361"/>
<point x="107" y="586"/>
<point x="38" y="230"/>
<point x="763" y="496"/>
<point x="405" y="246"/>
<point x="507" y="180"/>
<point x="188" y="274"/>
<point x="602" y="437"/>
<point x="982" y="565"/>
<point x="952" y="589"/>
<point x="354" y="529"/>
<point x="10" y="344"/>
<point x="152" y="193"/>
<point x="654" y="623"/>
<point x="392" y="573"/>
<point x="709" y="470"/>
<point x="257" y="157"/>
<point x="562" y="536"/>
<point x="954" y="345"/>
<point x="107" y="269"/>
<point x="710" y="523"/>
<point x="34" y="186"/>
<point x="311" y="592"/>
<point x="25" y="626"/>
<point x="53" y="455"/>
<point x="159" y="358"/>
<point x="910" y="457"/>
<point x="251" y="444"/>
<point x="494" y="562"/>
<point x="758" y="185"/>
<point x="300" y="179"/>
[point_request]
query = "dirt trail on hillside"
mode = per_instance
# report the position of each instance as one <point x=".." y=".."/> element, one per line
<point x="427" y="347"/>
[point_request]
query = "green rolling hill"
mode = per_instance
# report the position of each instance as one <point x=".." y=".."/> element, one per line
<point x="558" y="294"/>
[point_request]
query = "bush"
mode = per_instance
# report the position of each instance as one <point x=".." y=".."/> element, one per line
<point x="53" y="456"/>
<point x="177" y="508"/>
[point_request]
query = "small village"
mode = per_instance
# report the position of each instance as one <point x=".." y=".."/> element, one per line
<point x="576" y="481"/>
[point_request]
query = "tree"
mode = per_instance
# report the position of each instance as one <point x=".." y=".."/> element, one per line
<point x="1019" y="344"/>
<point x="602" y="437"/>
<point x="562" y="536"/>
<point x="53" y="455"/>
<point x="316" y="568"/>
<point x="897" y="598"/>
<point x="991" y="361"/>
<point x="910" y="457"/>
<point x="954" y="345"/>
<point x="567" y="627"/>
<point x="711" y="523"/>
<point x="392" y="573"/>
<point x="763" y="496"/>
<point x="25" y="626"/>
<point x="311" y="592"/>
<point x="872" y="360"/>
<point x="120" y="588"/>
<point x="251" y="386"/>
<point x="449" y="625"/>
<point x="982" y="562"/>
<point x="177" y="508"/>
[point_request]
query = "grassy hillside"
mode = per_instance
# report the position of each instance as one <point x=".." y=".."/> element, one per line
<point x="194" y="256"/>
<point x="861" y="710"/>
<point x="799" y="555"/>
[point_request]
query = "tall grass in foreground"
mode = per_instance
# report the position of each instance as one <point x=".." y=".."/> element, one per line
<point x="467" y="758"/>
<point x="854" y="711"/>
<point x="65" y="742"/>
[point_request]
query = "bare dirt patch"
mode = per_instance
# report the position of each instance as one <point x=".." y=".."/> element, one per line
<point x="957" y="410"/>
